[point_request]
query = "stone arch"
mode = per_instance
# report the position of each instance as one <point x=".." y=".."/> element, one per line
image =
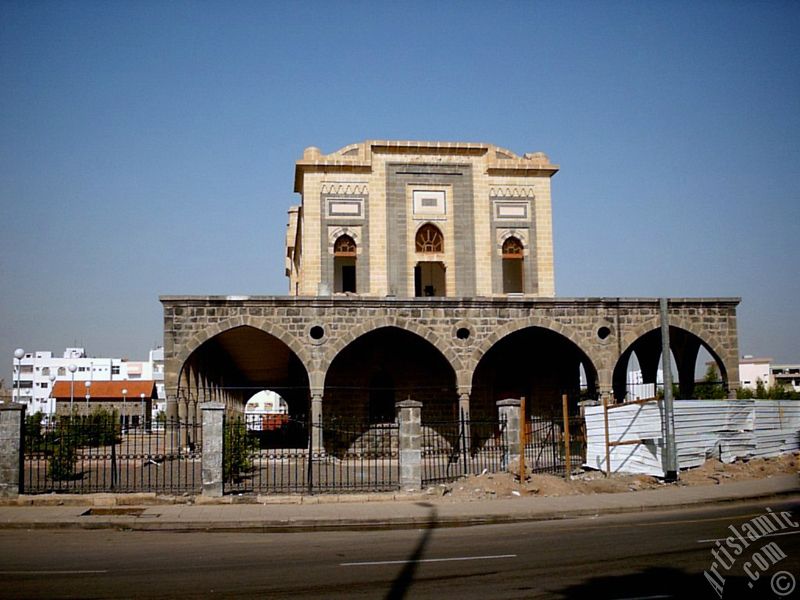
<point x="709" y="339"/>
<point x="387" y="360"/>
<point x="276" y="331"/>
<point x="684" y="352"/>
<point x="518" y="325"/>
<point x="409" y="325"/>
<point x="539" y="358"/>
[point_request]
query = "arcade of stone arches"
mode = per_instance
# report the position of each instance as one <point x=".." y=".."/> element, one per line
<point x="364" y="379"/>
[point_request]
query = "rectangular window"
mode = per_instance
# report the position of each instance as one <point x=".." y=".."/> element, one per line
<point x="115" y="370"/>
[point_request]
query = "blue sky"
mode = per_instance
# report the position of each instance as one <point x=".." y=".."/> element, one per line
<point x="148" y="148"/>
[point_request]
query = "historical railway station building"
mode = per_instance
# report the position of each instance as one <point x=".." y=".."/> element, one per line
<point x="425" y="270"/>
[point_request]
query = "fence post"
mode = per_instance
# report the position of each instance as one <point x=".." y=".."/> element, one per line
<point x="509" y="410"/>
<point x="12" y="430"/>
<point x="410" y="431"/>
<point x="213" y="420"/>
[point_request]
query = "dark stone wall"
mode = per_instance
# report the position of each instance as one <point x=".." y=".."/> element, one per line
<point x="190" y="321"/>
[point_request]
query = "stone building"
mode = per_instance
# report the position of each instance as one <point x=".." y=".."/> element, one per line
<point x="425" y="269"/>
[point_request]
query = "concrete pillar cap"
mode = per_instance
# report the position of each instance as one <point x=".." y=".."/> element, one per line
<point x="409" y="403"/>
<point x="509" y="402"/>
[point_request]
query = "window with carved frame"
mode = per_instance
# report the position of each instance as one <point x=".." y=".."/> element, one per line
<point x="429" y="239"/>
<point x="513" y="248"/>
<point x="344" y="246"/>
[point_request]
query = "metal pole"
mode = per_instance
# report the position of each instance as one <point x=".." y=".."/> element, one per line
<point x="19" y="353"/>
<point x="72" y="368"/>
<point x="523" y="424"/>
<point x="671" y="458"/>
<point x="124" y="409"/>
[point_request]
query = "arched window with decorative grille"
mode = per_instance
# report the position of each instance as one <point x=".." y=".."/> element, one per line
<point x="513" y="261"/>
<point x="344" y="264"/>
<point x="429" y="239"/>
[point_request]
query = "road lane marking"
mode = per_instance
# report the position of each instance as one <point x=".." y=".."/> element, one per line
<point x="84" y="572"/>
<point x="425" y="560"/>
<point x="759" y="537"/>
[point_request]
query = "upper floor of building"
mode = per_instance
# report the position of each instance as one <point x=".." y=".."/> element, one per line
<point x="407" y="219"/>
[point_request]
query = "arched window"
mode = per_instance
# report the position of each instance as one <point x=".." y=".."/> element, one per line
<point x="513" y="258"/>
<point x="344" y="264"/>
<point x="429" y="239"/>
<point x="344" y="246"/>
<point x="512" y="248"/>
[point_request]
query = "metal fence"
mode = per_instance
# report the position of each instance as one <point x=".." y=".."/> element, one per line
<point x="459" y="447"/>
<point x="279" y="456"/>
<point x="97" y="454"/>
<point x="546" y="443"/>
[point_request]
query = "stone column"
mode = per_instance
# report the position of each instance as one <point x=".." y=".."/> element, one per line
<point x="213" y="419"/>
<point x="509" y="410"/>
<point x="12" y="420"/>
<point x="316" y="422"/>
<point x="464" y="428"/>
<point x="409" y="414"/>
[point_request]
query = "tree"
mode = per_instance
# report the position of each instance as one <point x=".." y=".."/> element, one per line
<point x="711" y="387"/>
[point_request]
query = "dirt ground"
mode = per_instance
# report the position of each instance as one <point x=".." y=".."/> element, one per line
<point x="713" y="472"/>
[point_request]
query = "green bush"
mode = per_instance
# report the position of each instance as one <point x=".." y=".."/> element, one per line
<point x="238" y="449"/>
<point x="711" y="386"/>
<point x="64" y="450"/>
<point x="762" y="392"/>
<point x="34" y="436"/>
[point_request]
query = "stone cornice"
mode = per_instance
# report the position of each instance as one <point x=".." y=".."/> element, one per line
<point x="358" y="158"/>
<point x="353" y="301"/>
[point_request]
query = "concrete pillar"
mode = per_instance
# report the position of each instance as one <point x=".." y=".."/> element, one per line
<point x="213" y="419"/>
<point x="464" y="427"/>
<point x="315" y="422"/>
<point x="509" y="410"/>
<point x="463" y="404"/>
<point x="12" y="421"/>
<point x="409" y="414"/>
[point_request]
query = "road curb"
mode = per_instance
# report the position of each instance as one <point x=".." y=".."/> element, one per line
<point x="300" y="525"/>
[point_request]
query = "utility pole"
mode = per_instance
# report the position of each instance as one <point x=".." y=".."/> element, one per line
<point x="671" y="458"/>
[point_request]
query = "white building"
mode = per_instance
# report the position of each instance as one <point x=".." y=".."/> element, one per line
<point x="786" y="375"/>
<point x="36" y="372"/>
<point x="752" y="369"/>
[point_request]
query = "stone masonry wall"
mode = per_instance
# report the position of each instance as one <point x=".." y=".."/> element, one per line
<point x="603" y="328"/>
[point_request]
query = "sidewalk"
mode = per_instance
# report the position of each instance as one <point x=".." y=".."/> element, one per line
<point x="367" y="511"/>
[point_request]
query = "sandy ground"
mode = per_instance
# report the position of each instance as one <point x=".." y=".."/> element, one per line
<point x="713" y="472"/>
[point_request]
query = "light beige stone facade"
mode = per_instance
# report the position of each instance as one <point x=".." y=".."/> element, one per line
<point x="480" y="195"/>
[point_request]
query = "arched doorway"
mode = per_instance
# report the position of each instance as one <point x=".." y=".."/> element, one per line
<point x="384" y="366"/>
<point x="537" y="363"/>
<point x="430" y="271"/>
<point x="236" y="363"/>
<point x="513" y="257"/>
<point x="344" y="264"/>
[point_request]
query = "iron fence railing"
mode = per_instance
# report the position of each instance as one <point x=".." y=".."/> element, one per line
<point x="453" y="448"/>
<point x="96" y="453"/>
<point x="545" y="444"/>
<point x="294" y="455"/>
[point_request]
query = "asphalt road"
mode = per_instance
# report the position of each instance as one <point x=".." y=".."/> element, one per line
<point x="651" y="555"/>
